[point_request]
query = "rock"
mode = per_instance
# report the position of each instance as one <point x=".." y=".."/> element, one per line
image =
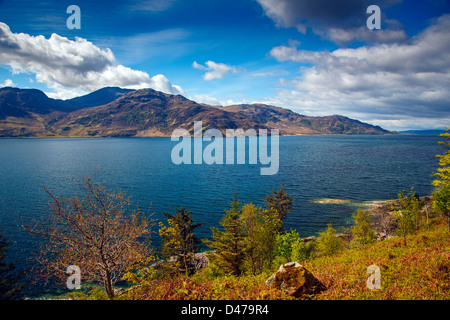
<point x="294" y="280"/>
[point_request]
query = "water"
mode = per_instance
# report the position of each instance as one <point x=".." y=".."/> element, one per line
<point x="357" y="168"/>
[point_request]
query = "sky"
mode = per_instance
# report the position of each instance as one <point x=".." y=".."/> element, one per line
<point x="316" y="57"/>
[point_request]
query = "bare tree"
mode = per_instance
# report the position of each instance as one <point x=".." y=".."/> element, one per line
<point x="100" y="232"/>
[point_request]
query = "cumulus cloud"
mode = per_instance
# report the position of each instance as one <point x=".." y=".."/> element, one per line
<point x="388" y="83"/>
<point x="214" y="70"/>
<point x="341" y="21"/>
<point x="72" y="66"/>
<point x="7" y="83"/>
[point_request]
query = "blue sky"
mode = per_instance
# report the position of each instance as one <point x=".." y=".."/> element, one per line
<point x="313" y="57"/>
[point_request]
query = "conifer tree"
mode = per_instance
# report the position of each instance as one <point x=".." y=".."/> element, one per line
<point x="179" y="241"/>
<point x="228" y="243"/>
<point x="280" y="202"/>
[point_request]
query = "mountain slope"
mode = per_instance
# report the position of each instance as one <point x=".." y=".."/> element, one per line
<point x="147" y="112"/>
<point x="97" y="98"/>
<point x="114" y="111"/>
<point x="291" y="123"/>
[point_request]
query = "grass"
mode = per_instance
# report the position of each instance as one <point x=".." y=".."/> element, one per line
<point x="419" y="271"/>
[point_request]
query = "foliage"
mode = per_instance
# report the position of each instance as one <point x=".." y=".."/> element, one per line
<point x="328" y="243"/>
<point x="284" y="246"/>
<point x="260" y="228"/>
<point x="362" y="230"/>
<point x="302" y="251"/>
<point x="100" y="232"/>
<point x="407" y="213"/>
<point x="179" y="242"/>
<point x="441" y="202"/>
<point x="10" y="288"/>
<point x="228" y="245"/>
<point x="443" y="172"/>
<point x="280" y="202"/>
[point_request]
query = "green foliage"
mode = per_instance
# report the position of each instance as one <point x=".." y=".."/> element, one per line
<point x="10" y="288"/>
<point x="228" y="245"/>
<point x="328" y="243"/>
<point x="362" y="230"/>
<point x="302" y="251"/>
<point x="284" y="245"/>
<point x="441" y="202"/>
<point x="407" y="213"/>
<point x="443" y="172"/>
<point x="260" y="228"/>
<point x="179" y="241"/>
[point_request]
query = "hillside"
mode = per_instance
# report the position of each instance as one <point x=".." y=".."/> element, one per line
<point x="419" y="271"/>
<point x="291" y="123"/>
<point x="120" y="112"/>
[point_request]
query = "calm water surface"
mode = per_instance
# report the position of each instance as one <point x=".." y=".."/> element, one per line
<point x="357" y="168"/>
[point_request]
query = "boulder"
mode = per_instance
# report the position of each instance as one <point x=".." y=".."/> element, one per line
<point x="294" y="280"/>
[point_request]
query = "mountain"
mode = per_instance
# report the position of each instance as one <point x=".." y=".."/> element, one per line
<point x="291" y="123"/>
<point x="425" y="132"/>
<point x="113" y="111"/>
<point x="24" y="102"/>
<point x="147" y="112"/>
<point x="98" y="98"/>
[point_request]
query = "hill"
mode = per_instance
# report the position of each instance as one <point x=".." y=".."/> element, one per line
<point x="113" y="111"/>
<point x="291" y="123"/>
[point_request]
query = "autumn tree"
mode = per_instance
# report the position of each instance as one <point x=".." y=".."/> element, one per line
<point x="228" y="244"/>
<point x="441" y="195"/>
<point x="179" y="242"/>
<point x="99" y="231"/>
<point x="443" y="171"/>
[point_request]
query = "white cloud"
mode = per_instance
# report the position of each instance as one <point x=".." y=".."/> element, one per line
<point x="7" y="83"/>
<point x="391" y="83"/>
<point x="215" y="70"/>
<point x="70" y="67"/>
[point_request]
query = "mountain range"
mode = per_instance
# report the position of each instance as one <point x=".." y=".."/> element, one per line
<point x="117" y="112"/>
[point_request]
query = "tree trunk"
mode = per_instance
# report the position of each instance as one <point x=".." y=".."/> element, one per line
<point x="108" y="285"/>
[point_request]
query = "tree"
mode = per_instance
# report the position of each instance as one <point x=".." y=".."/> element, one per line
<point x="443" y="172"/>
<point x="407" y="213"/>
<point x="362" y="230"/>
<point x="441" y="195"/>
<point x="179" y="241"/>
<point x="260" y="228"/>
<point x="99" y="231"/>
<point x="10" y="288"/>
<point x="441" y="202"/>
<point x="228" y="245"/>
<point x="284" y="245"/>
<point x="327" y="243"/>
<point x="280" y="202"/>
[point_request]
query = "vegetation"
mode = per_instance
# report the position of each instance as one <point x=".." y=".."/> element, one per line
<point x="442" y="182"/>
<point x="99" y="232"/>
<point x="179" y="241"/>
<point x="248" y="247"/>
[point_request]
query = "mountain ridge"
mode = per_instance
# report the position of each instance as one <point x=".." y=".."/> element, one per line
<point x="117" y="112"/>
